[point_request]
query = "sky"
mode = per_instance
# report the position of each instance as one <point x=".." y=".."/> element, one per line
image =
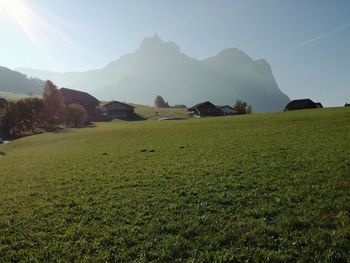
<point x="307" y="43"/>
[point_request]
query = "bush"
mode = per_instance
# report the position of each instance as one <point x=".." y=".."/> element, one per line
<point x="75" y="115"/>
<point x="23" y="116"/>
<point x="242" y="107"/>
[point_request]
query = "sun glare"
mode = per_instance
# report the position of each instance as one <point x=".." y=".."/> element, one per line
<point x="13" y="8"/>
<point x="19" y="13"/>
<point x="39" y="26"/>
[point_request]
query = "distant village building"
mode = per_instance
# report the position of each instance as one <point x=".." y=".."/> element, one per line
<point x="205" y="109"/>
<point x="226" y="110"/>
<point x="89" y="102"/>
<point x="118" y="110"/>
<point x="302" y="104"/>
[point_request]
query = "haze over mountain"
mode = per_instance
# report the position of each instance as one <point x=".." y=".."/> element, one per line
<point x="159" y="68"/>
<point x="13" y="81"/>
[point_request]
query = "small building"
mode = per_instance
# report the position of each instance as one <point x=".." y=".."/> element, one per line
<point x="347" y="105"/>
<point x="118" y="110"/>
<point x="205" y="109"/>
<point x="84" y="99"/>
<point x="227" y="110"/>
<point x="302" y="104"/>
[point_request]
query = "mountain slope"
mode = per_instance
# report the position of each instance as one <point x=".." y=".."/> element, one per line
<point x="15" y="82"/>
<point x="159" y="67"/>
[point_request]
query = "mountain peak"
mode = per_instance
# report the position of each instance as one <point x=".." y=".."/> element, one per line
<point x="158" y="67"/>
<point x="234" y="54"/>
<point x="155" y="43"/>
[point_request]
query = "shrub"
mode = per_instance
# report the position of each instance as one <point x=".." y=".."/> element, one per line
<point x="75" y="115"/>
<point x="23" y="116"/>
<point x="242" y="107"/>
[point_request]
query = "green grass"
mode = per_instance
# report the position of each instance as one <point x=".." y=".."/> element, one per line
<point x="149" y="113"/>
<point x="257" y="188"/>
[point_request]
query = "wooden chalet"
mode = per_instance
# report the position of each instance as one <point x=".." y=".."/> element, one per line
<point x="205" y="109"/>
<point x="89" y="102"/>
<point x="118" y="110"/>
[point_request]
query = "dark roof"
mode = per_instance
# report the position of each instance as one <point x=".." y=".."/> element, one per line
<point x="301" y="104"/>
<point x="84" y="99"/>
<point x="206" y="109"/>
<point x="77" y="94"/>
<point x="118" y="102"/>
<point x="202" y="104"/>
<point x="226" y="106"/>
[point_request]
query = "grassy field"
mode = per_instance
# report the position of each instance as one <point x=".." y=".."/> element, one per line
<point x="258" y="188"/>
<point x="149" y="113"/>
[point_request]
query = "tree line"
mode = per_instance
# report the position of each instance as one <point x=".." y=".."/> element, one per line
<point x="32" y="115"/>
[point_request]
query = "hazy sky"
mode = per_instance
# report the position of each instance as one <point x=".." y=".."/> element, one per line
<point x="307" y="43"/>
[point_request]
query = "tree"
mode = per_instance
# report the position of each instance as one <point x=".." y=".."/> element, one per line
<point x="242" y="108"/>
<point x="160" y="102"/>
<point x="23" y="115"/>
<point x="75" y="115"/>
<point x="54" y="107"/>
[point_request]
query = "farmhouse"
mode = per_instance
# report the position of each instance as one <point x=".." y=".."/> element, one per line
<point x="226" y="110"/>
<point x="89" y="102"/>
<point x="302" y="104"/>
<point x="118" y="110"/>
<point x="205" y="109"/>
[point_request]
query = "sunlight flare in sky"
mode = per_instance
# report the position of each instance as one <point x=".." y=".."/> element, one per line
<point x="18" y="12"/>
<point x="39" y="26"/>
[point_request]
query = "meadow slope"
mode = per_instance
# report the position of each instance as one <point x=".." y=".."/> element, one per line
<point x="258" y="188"/>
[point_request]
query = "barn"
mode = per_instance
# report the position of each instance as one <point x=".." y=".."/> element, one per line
<point x="118" y="110"/>
<point x="205" y="109"/>
<point x="89" y="102"/>
<point x="302" y="104"/>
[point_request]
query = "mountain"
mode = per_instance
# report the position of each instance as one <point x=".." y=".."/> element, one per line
<point x="160" y="68"/>
<point x="15" y="82"/>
